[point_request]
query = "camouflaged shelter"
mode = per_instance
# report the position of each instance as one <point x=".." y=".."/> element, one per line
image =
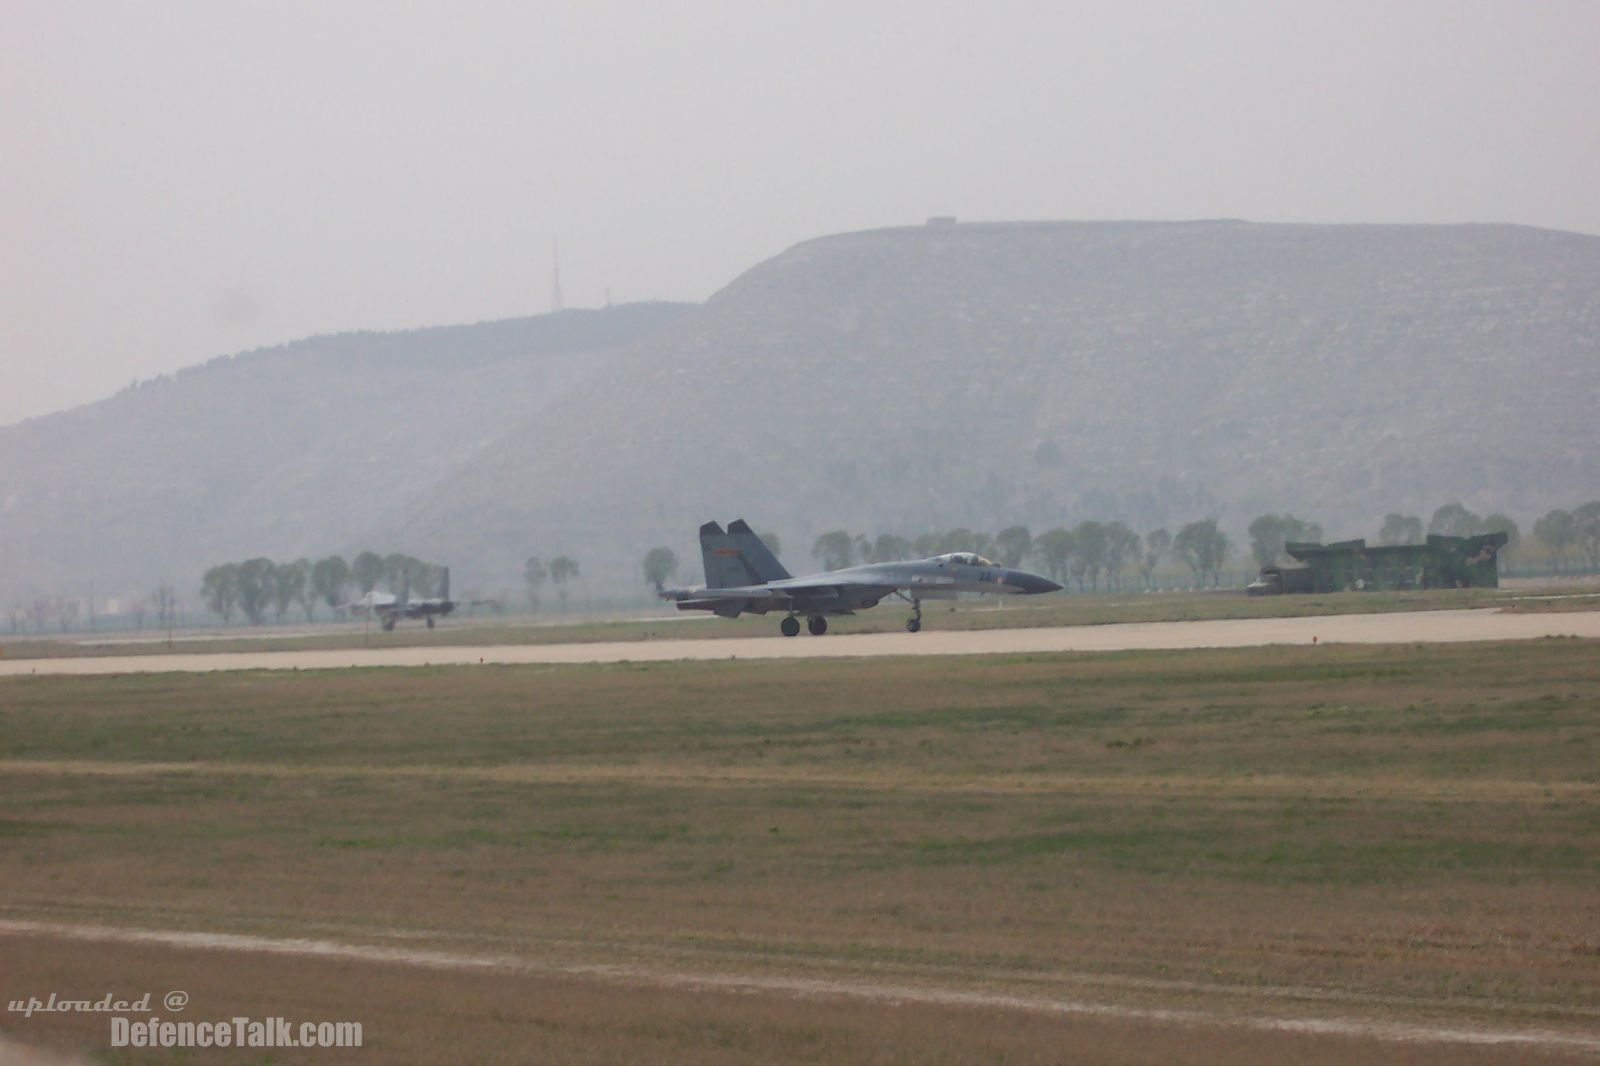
<point x="1439" y="563"/>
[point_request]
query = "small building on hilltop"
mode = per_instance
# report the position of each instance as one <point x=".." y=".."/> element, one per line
<point x="1438" y="563"/>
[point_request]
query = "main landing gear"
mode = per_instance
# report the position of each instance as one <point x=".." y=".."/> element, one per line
<point x="816" y="625"/>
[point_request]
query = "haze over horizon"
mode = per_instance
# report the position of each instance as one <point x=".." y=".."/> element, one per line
<point x="183" y="181"/>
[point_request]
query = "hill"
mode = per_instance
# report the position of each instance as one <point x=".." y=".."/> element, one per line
<point x="280" y="451"/>
<point x="927" y="377"/>
<point x="894" y="380"/>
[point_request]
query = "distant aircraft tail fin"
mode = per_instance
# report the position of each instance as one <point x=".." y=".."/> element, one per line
<point x="405" y="589"/>
<point x="444" y="584"/>
<point x="754" y="551"/>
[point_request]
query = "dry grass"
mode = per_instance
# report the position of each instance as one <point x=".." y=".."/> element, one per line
<point x="1374" y="832"/>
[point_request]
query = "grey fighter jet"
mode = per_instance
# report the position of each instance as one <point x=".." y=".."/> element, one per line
<point x="389" y="608"/>
<point x="743" y="576"/>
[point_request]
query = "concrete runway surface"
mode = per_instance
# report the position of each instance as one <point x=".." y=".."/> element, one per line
<point x="1429" y="627"/>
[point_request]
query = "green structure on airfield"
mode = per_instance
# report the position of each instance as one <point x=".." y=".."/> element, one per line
<point x="1439" y="563"/>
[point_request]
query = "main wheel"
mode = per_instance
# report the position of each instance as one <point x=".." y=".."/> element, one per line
<point x="430" y="621"/>
<point x="790" y="627"/>
<point x="913" y="624"/>
<point x="817" y="625"/>
<point x="388" y="625"/>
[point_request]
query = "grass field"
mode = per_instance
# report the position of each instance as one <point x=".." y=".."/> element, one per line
<point x="980" y="613"/>
<point x="1381" y="835"/>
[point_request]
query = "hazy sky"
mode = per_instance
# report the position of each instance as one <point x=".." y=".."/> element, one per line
<point x="181" y="180"/>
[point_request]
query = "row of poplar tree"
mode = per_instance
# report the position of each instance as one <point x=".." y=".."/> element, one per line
<point x="1091" y="550"/>
<point x="257" y="587"/>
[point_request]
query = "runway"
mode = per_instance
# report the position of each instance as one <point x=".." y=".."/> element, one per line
<point x="1429" y="627"/>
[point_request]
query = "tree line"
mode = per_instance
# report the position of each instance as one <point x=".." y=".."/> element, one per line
<point x="1083" y="554"/>
<point x="1092" y="550"/>
<point x="558" y="571"/>
<point x="42" y="613"/>
<point x="255" y="587"/>
<point x="45" y="612"/>
<point x="1557" y="531"/>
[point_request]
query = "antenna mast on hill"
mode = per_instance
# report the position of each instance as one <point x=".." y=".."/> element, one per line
<point x="555" y="276"/>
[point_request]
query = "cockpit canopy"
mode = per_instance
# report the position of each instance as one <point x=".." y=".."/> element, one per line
<point x="964" y="558"/>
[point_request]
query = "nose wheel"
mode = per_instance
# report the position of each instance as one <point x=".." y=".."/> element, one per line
<point x="914" y="623"/>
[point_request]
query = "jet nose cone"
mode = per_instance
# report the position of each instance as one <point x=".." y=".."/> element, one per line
<point x="1030" y="584"/>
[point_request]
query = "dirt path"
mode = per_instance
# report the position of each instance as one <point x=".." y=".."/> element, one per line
<point x="811" y="987"/>
<point x="1484" y="624"/>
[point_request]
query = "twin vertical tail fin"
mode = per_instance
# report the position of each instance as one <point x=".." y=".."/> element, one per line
<point x="721" y="559"/>
<point x="444" y="584"/>
<point x="737" y="557"/>
<point x="755" y="552"/>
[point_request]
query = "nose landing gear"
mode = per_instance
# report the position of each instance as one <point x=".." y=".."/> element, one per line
<point x="914" y="623"/>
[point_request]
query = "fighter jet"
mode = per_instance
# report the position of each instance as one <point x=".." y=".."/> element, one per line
<point x="390" y="608"/>
<point x="743" y="576"/>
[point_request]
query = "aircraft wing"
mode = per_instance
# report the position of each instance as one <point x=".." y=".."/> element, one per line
<point x="837" y="592"/>
<point x="818" y="587"/>
<point x="864" y="589"/>
<point x="745" y="592"/>
<point x="841" y="582"/>
<point x="798" y="589"/>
